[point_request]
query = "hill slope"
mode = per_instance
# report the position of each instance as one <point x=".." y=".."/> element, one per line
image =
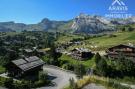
<point x="101" y="42"/>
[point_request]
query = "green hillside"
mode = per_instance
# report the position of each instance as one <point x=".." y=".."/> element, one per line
<point x="102" y="42"/>
<point x="67" y="37"/>
<point x="107" y="41"/>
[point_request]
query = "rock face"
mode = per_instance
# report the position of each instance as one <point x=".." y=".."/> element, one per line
<point x="47" y="24"/>
<point x="97" y="24"/>
<point x="123" y="21"/>
<point x="91" y="24"/>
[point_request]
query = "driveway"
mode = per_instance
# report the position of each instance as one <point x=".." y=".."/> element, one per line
<point x="60" y="78"/>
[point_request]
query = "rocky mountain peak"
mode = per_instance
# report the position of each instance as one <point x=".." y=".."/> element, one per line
<point x="90" y="24"/>
<point x="45" y="20"/>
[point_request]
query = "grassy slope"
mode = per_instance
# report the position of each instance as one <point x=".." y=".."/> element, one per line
<point x="103" y="42"/>
<point x="88" y="63"/>
<point x="66" y="38"/>
<point x="66" y="28"/>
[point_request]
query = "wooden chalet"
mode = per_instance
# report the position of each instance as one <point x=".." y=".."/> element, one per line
<point x="26" y="66"/>
<point x="125" y="50"/>
<point x="81" y="53"/>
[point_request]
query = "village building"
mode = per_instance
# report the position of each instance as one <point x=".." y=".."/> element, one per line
<point x="26" y="66"/>
<point x="128" y="51"/>
<point x="40" y="52"/>
<point x="81" y="53"/>
<point x="28" y="52"/>
<point x="32" y="52"/>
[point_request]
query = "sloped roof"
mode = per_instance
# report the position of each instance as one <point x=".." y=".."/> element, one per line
<point x="31" y="59"/>
<point x="19" y="62"/>
<point x="28" y="50"/>
<point x="28" y="63"/>
<point x="123" y="45"/>
<point x="81" y="50"/>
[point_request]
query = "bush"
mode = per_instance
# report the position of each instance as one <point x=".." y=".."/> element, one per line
<point x="102" y="67"/>
<point x="79" y="69"/>
<point x="43" y="76"/>
<point x="112" y="35"/>
<point x="68" y="66"/>
<point x="23" y="84"/>
<point x="39" y="83"/>
<point x="9" y="83"/>
<point x="46" y="59"/>
<point x="2" y="80"/>
<point x="97" y="58"/>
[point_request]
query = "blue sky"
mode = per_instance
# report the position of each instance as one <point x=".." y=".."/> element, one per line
<point x="33" y="11"/>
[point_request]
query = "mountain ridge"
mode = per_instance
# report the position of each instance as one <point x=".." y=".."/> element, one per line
<point x="87" y="24"/>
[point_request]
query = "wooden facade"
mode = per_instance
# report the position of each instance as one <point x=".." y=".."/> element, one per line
<point x="81" y="54"/>
<point x="26" y="66"/>
<point x="125" y="50"/>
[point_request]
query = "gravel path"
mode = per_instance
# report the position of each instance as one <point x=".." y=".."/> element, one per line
<point x="59" y="77"/>
<point x="94" y="86"/>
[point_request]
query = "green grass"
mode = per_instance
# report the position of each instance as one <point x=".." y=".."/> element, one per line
<point x="102" y="42"/>
<point x="88" y="63"/>
<point x="67" y="37"/>
<point x="106" y="41"/>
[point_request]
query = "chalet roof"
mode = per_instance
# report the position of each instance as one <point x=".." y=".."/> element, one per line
<point x="19" y="62"/>
<point x="41" y="51"/>
<point x="28" y="63"/>
<point x="31" y="59"/>
<point x="28" y="50"/>
<point x="123" y="45"/>
<point x="81" y="49"/>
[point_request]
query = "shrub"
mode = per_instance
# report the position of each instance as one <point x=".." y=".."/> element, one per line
<point x="112" y="35"/>
<point x="101" y="67"/>
<point x="43" y="76"/>
<point x="68" y="66"/>
<point x="39" y="83"/>
<point x="79" y="69"/>
<point x="97" y="58"/>
<point x="9" y="83"/>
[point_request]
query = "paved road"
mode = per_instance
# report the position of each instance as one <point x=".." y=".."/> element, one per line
<point x="59" y="77"/>
<point x="94" y="86"/>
